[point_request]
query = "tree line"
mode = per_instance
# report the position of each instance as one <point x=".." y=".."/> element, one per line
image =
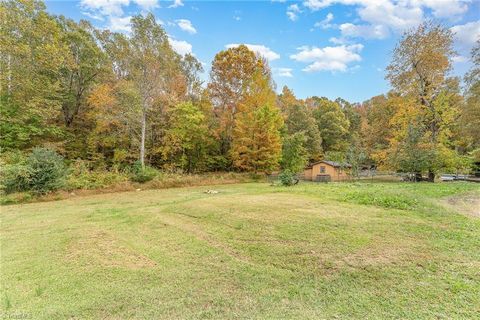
<point x="113" y="100"/>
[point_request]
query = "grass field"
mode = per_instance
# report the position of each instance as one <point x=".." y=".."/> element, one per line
<point x="350" y="250"/>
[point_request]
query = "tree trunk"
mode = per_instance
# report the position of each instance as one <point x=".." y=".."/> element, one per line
<point x="142" y="142"/>
<point x="9" y="77"/>
<point x="431" y="176"/>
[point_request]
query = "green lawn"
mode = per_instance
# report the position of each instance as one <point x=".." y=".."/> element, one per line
<point x="347" y="250"/>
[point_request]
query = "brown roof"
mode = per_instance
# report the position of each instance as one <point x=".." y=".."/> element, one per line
<point x="330" y="163"/>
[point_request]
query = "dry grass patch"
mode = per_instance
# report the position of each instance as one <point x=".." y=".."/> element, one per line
<point x="468" y="204"/>
<point x="99" y="248"/>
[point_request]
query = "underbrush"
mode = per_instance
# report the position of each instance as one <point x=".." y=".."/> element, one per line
<point x="399" y="195"/>
<point x="403" y="196"/>
<point x="82" y="181"/>
<point x="385" y="200"/>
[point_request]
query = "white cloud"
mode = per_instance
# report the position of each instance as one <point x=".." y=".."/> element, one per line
<point x="260" y="49"/>
<point x="395" y="16"/>
<point x="444" y="8"/>
<point x="283" y="72"/>
<point x="105" y="7"/>
<point x="325" y="23"/>
<point x="364" y="31"/>
<point x="292" y="12"/>
<point x="459" y="59"/>
<point x="93" y="15"/>
<point x="112" y="11"/>
<point x="181" y="47"/>
<point x="292" y="15"/>
<point x="176" y="4"/>
<point x="467" y="34"/>
<point x="317" y="4"/>
<point x="328" y="58"/>
<point x="385" y="16"/>
<point x="440" y="8"/>
<point x="186" y="25"/>
<point x="147" y="4"/>
<point x="121" y="24"/>
<point x="335" y="40"/>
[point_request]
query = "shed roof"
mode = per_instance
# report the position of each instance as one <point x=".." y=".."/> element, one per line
<point x="331" y="163"/>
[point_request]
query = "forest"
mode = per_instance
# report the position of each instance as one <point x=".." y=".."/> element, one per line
<point x="115" y="102"/>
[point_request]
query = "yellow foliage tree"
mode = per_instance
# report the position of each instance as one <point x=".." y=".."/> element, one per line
<point x="257" y="142"/>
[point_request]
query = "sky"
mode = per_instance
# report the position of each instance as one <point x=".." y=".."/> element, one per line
<point x="331" y="48"/>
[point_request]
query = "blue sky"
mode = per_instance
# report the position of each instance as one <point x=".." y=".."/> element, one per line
<point x="332" y="48"/>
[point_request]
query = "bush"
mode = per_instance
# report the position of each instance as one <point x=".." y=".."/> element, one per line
<point x="15" y="177"/>
<point x="47" y="170"/>
<point x="43" y="171"/>
<point x="81" y="177"/>
<point x="143" y="175"/>
<point x="287" y="178"/>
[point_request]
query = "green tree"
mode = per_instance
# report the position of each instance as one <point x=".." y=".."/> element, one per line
<point x="332" y="124"/>
<point x="413" y="154"/>
<point x="186" y="138"/>
<point x="294" y="154"/>
<point x="355" y="156"/>
<point x="299" y="119"/>
<point x="31" y="54"/>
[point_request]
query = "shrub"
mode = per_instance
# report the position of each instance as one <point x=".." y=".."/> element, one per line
<point x="287" y="178"/>
<point x="43" y="171"/>
<point x="81" y="177"/>
<point x="15" y="177"/>
<point x="143" y="175"/>
<point x="46" y="169"/>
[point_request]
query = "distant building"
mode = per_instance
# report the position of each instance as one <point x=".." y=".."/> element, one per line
<point x="327" y="171"/>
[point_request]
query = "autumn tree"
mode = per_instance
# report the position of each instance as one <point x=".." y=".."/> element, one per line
<point x="31" y="54"/>
<point x="113" y="116"/>
<point x="256" y="145"/>
<point x="146" y="60"/>
<point x="83" y="64"/>
<point x="287" y="99"/>
<point x="191" y="68"/>
<point x="469" y="121"/>
<point x="376" y="127"/>
<point x="419" y="68"/>
<point x="230" y="77"/>
<point x="186" y="139"/>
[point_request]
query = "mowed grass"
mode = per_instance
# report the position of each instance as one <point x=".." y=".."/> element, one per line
<point x="313" y="251"/>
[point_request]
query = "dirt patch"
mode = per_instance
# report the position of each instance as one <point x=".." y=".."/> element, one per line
<point x="468" y="204"/>
<point x="98" y="248"/>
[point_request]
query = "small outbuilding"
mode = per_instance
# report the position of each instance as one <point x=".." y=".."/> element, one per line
<point x="327" y="171"/>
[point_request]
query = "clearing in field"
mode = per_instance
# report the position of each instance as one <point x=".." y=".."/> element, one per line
<point x="340" y="250"/>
